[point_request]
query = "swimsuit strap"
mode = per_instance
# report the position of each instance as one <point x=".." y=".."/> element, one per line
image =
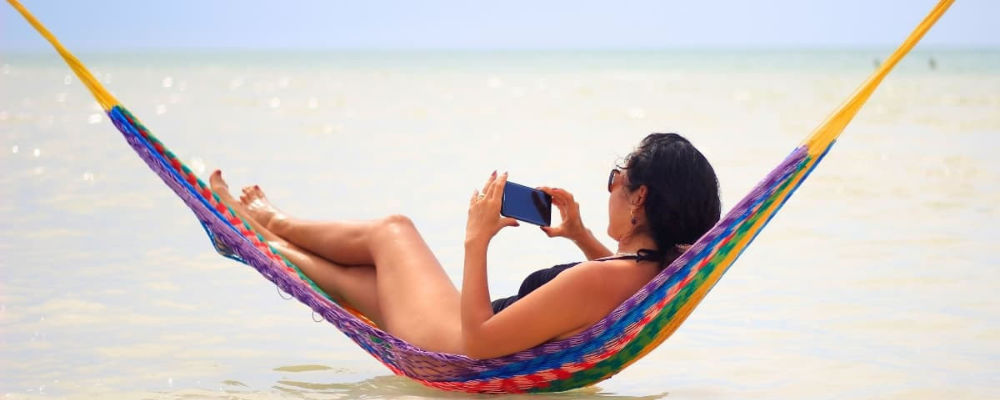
<point x="641" y="255"/>
<point x="619" y="257"/>
<point x="649" y="255"/>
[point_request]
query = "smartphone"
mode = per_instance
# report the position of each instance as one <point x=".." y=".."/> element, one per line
<point x="526" y="204"/>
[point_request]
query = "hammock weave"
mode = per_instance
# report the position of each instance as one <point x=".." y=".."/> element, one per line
<point x="633" y="329"/>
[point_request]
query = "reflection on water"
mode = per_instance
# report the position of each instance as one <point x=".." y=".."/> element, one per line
<point x="390" y="386"/>
<point x="877" y="279"/>
<point x="303" y="368"/>
<point x="378" y="387"/>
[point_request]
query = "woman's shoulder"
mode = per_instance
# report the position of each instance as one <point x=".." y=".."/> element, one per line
<point x="600" y="271"/>
<point x="595" y="288"/>
<point x="620" y="277"/>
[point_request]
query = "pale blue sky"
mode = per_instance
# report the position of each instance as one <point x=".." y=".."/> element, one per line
<point x="115" y="25"/>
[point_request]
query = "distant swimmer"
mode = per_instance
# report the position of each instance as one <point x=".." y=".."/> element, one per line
<point x="932" y="63"/>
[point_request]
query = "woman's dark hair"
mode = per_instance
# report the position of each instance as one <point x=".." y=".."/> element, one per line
<point x="682" y="201"/>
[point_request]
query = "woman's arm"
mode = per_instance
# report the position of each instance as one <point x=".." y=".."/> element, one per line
<point x="558" y="307"/>
<point x="476" y="307"/>
<point x="484" y="222"/>
<point x="571" y="226"/>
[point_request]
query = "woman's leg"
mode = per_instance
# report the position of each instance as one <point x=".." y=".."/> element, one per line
<point x="345" y="242"/>
<point x="354" y="285"/>
<point x="417" y="300"/>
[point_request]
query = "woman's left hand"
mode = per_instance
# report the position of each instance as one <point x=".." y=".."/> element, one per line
<point x="484" y="212"/>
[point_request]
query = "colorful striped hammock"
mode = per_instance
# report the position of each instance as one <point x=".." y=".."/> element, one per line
<point x="633" y="329"/>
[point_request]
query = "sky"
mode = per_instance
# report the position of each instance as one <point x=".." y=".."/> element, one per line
<point x="120" y="25"/>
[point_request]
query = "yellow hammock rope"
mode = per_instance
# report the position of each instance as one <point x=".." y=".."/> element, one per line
<point x="102" y="95"/>
<point x="830" y="129"/>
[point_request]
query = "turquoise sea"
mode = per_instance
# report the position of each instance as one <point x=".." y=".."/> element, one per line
<point x="877" y="280"/>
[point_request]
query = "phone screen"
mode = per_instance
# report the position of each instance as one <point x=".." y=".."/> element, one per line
<point x="526" y="204"/>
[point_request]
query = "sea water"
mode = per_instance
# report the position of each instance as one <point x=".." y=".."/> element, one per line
<point x="877" y="280"/>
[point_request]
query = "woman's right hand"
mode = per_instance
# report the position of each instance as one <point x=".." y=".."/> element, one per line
<point x="571" y="226"/>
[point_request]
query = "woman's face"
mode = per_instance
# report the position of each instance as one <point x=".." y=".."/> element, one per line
<point x="619" y="207"/>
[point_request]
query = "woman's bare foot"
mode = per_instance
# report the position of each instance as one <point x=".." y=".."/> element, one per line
<point x="325" y="273"/>
<point x="258" y="207"/>
<point x="221" y="188"/>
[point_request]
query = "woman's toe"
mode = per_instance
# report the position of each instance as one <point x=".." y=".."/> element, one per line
<point x="216" y="182"/>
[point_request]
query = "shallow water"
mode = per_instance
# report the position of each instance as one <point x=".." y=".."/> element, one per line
<point x="877" y="280"/>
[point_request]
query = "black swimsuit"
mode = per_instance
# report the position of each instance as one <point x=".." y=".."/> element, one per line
<point x="541" y="277"/>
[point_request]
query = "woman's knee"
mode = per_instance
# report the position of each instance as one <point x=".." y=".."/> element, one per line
<point x="394" y="224"/>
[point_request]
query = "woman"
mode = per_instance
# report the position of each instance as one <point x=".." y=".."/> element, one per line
<point x="664" y="198"/>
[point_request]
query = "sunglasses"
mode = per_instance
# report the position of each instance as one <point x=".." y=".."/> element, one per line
<point x="611" y="177"/>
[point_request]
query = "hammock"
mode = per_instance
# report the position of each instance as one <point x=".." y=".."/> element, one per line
<point x="633" y="329"/>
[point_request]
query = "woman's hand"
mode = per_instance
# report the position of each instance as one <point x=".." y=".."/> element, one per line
<point x="571" y="226"/>
<point x="484" y="212"/>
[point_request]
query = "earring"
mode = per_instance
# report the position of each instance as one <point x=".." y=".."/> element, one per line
<point x="634" y="221"/>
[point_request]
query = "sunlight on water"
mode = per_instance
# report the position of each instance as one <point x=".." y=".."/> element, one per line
<point x="877" y="280"/>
